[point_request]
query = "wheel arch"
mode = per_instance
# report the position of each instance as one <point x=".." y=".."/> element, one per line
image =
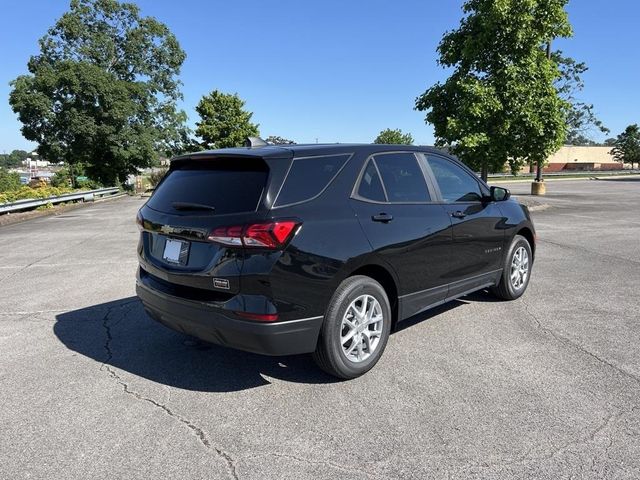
<point x="527" y="233"/>
<point x="385" y="278"/>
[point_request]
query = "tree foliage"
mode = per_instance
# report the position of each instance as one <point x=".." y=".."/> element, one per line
<point x="276" y="140"/>
<point x="393" y="137"/>
<point x="627" y="146"/>
<point x="500" y="103"/>
<point x="581" y="117"/>
<point x="13" y="159"/>
<point x="223" y="121"/>
<point x="9" y="180"/>
<point x="103" y="90"/>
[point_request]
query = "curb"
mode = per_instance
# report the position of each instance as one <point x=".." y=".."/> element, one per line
<point x="532" y="205"/>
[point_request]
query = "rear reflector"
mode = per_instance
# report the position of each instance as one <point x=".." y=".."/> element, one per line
<point x="260" y="317"/>
<point x="270" y="235"/>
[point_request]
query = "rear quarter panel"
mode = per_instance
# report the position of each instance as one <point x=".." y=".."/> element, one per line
<point x="329" y="244"/>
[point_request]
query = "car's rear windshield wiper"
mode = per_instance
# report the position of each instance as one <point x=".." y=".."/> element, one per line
<point x="192" y="206"/>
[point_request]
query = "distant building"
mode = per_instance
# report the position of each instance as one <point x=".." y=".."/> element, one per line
<point x="34" y="163"/>
<point x="571" y="158"/>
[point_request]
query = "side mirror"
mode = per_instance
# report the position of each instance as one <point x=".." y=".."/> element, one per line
<point x="499" y="194"/>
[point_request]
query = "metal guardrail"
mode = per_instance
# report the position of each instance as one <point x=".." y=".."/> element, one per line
<point x="87" y="196"/>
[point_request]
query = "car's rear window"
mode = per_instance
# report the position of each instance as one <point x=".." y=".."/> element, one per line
<point x="308" y="177"/>
<point x="230" y="185"/>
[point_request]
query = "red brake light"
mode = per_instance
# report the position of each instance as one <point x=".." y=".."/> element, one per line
<point x="282" y="230"/>
<point x="270" y="235"/>
<point x="259" y="235"/>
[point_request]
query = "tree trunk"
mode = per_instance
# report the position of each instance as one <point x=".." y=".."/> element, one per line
<point x="484" y="172"/>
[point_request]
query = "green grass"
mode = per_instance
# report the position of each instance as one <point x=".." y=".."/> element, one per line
<point x="562" y="176"/>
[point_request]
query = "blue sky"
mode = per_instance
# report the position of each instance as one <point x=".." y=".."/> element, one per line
<point x="336" y="71"/>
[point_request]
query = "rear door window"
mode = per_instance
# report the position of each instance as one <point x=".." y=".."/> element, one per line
<point x="402" y="177"/>
<point x="230" y="185"/>
<point x="308" y="177"/>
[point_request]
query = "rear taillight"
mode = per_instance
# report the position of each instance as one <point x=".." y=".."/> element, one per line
<point x="270" y="235"/>
<point x="227" y="236"/>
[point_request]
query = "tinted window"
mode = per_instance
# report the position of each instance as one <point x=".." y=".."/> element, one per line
<point x="456" y="185"/>
<point x="229" y="185"/>
<point x="370" y="185"/>
<point x="402" y="177"/>
<point x="308" y="177"/>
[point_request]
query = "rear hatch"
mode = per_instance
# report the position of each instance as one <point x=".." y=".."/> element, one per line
<point x="196" y="197"/>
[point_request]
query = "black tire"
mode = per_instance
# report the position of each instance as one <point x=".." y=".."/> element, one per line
<point x="329" y="354"/>
<point x="505" y="289"/>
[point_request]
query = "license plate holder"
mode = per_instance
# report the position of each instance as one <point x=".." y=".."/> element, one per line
<point x="176" y="251"/>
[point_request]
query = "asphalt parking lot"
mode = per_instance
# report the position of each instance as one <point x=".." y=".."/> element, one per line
<point x="547" y="386"/>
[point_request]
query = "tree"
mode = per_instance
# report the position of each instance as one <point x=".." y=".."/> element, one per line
<point x="577" y="139"/>
<point x="223" y="121"/>
<point x="581" y="119"/>
<point x="13" y="159"/>
<point x="276" y="140"/>
<point x="500" y="103"/>
<point x="393" y="137"/>
<point x="103" y="91"/>
<point x="627" y="146"/>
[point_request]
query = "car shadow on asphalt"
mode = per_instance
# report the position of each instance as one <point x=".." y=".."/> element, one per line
<point x="122" y="335"/>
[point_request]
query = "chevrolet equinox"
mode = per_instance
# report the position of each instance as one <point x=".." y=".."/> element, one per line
<point x="323" y="249"/>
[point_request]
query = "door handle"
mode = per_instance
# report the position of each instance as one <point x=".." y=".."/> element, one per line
<point x="382" y="217"/>
<point x="458" y="214"/>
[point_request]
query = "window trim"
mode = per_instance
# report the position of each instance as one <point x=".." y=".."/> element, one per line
<point x="463" y="167"/>
<point x="286" y="176"/>
<point x="354" y="193"/>
<point x="427" y="181"/>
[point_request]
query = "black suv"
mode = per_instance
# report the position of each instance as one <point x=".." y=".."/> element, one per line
<point x="286" y="250"/>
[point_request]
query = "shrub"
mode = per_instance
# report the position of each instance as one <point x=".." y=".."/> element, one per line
<point x="157" y="175"/>
<point x="61" y="178"/>
<point x="26" y="193"/>
<point x="88" y="184"/>
<point x="9" y="181"/>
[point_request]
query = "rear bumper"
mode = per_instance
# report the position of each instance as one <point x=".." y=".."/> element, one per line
<point x="216" y="325"/>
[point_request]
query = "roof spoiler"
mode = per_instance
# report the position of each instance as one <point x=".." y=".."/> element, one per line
<point x="253" y="142"/>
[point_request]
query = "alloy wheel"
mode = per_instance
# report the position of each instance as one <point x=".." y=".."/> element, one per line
<point x="519" y="268"/>
<point x="361" y="328"/>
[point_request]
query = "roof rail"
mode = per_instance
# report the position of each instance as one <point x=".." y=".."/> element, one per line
<point x="252" y="142"/>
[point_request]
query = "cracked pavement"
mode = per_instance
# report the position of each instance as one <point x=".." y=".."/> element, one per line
<point x="547" y="386"/>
